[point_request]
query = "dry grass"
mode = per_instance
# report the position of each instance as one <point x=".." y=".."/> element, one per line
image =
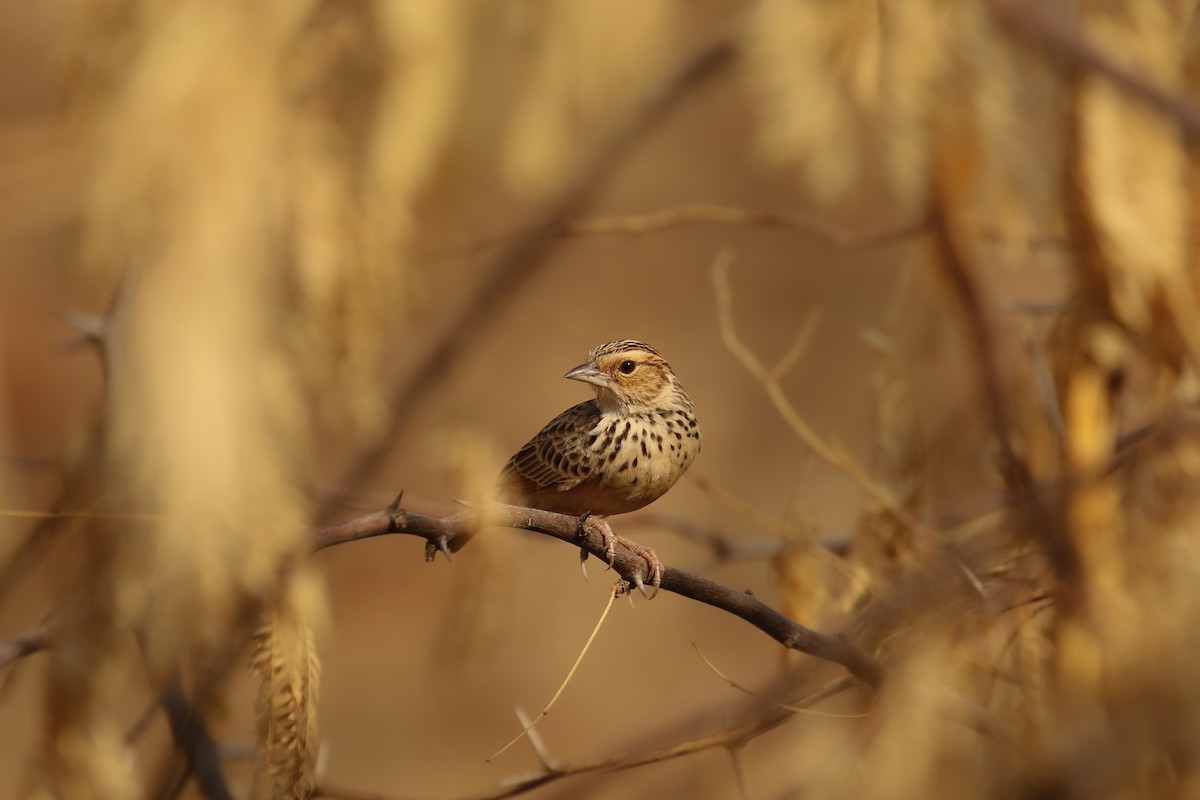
<point x="258" y="187"/>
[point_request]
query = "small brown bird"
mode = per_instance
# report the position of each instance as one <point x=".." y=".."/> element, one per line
<point x="616" y="452"/>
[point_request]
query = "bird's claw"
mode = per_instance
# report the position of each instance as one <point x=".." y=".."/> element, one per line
<point x="601" y="527"/>
<point x="583" y="557"/>
<point x="654" y="566"/>
<point x="582" y="534"/>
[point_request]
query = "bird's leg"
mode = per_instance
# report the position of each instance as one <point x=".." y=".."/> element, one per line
<point x="601" y="527"/>
<point x="581" y="534"/>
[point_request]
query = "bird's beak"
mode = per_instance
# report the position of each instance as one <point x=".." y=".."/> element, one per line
<point x="589" y="374"/>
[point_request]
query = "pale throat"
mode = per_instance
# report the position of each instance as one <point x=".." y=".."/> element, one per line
<point x="610" y="403"/>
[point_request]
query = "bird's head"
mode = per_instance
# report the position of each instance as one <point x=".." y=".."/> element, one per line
<point x="629" y="376"/>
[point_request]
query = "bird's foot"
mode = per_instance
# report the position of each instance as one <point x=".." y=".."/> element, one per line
<point x="653" y="564"/>
<point x="601" y="527"/>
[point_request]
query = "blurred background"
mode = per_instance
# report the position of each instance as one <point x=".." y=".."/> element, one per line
<point x="266" y="266"/>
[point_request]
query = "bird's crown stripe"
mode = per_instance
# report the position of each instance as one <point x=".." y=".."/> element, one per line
<point x="623" y="346"/>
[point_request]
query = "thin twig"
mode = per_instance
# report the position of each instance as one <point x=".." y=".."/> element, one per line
<point x="695" y="214"/>
<point x="734" y="736"/>
<point x="192" y="739"/>
<point x="788" y="536"/>
<point x="831" y="454"/>
<point x="721" y="546"/>
<point x="31" y="641"/>
<point x="699" y="214"/>
<point x="527" y="727"/>
<point x="763" y="698"/>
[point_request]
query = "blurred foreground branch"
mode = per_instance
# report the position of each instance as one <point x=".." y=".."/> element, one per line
<point x="24" y="644"/>
<point x="693" y="214"/>
<point x="1042" y="519"/>
<point x="1056" y="27"/>
<point x="666" y="219"/>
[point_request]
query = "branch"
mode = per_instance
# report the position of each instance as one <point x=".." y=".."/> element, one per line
<point x="733" y="737"/>
<point x="192" y="739"/>
<point x="691" y="214"/>
<point x="449" y="534"/>
<point x="1055" y="27"/>
<point x="699" y="214"/>
<point x="31" y="641"/>
<point x="722" y="547"/>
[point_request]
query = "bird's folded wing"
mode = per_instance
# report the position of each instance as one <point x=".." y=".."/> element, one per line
<point x="557" y="457"/>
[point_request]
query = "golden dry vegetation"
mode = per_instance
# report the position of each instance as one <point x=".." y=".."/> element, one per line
<point x="927" y="266"/>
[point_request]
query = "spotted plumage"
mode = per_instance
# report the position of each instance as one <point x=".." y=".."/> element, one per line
<point x="616" y="452"/>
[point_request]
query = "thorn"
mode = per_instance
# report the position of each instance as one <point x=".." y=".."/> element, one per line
<point x="396" y="515"/>
<point x="583" y="557"/>
<point x="75" y="344"/>
<point x="436" y="545"/>
<point x="93" y="328"/>
<point x="641" y="587"/>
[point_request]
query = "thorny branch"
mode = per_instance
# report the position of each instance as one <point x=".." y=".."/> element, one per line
<point x="448" y="534"/>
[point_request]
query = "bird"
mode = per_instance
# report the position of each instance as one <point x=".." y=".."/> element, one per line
<point x="615" y="453"/>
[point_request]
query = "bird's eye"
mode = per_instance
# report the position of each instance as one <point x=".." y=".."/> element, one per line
<point x="627" y="367"/>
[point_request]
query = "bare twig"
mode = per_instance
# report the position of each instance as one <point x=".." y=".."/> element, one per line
<point x="721" y="546"/>
<point x="528" y="726"/>
<point x="700" y="214"/>
<point x="31" y="641"/>
<point x="98" y="334"/>
<point x="831" y="454"/>
<point x="192" y="739"/>
<point x="695" y="214"/>
<point x="733" y="737"/>
<point x="449" y="534"/>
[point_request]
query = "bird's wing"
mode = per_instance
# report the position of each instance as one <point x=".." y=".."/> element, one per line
<point x="556" y="457"/>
